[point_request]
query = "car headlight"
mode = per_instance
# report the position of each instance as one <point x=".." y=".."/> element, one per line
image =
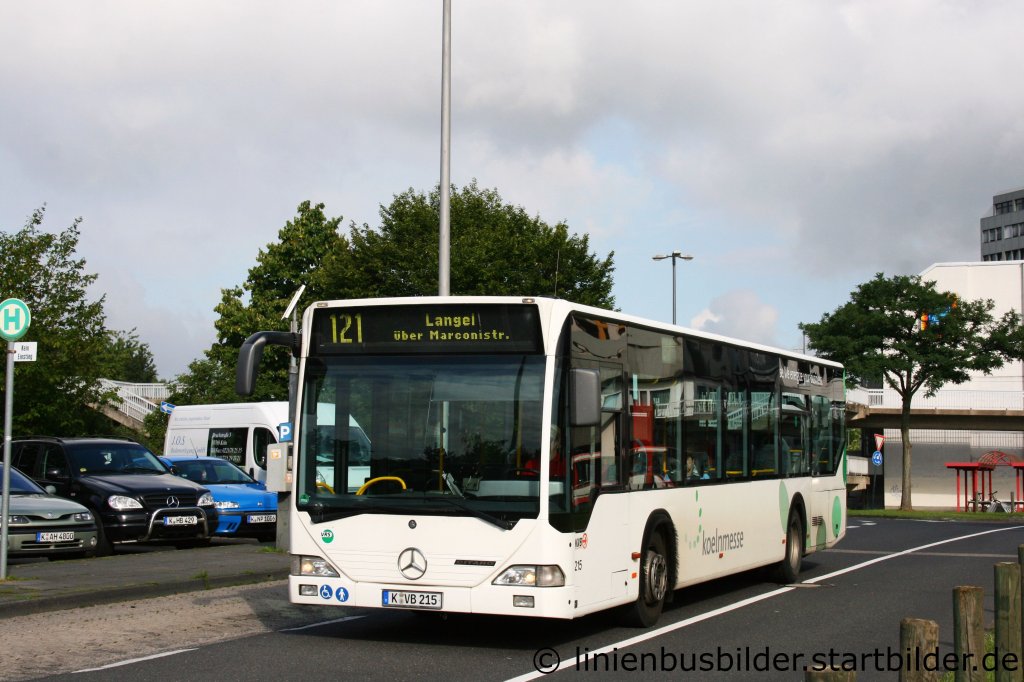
<point x="531" y="576"/>
<point x="82" y="517"/>
<point x="123" y="503"/>
<point x="225" y="504"/>
<point x="206" y="500"/>
<point x="313" y="565"/>
<point x="18" y="520"/>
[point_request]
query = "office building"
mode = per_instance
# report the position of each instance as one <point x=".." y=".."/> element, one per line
<point x="1002" y="231"/>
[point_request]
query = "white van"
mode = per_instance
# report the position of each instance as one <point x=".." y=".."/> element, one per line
<point x="241" y="432"/>
<point x="237" y="432"/>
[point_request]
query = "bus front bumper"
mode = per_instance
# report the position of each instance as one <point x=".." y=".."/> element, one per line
<point x="546" y="602"/>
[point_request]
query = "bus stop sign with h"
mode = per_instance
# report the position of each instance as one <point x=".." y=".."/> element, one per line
<point x="14" y="321"/>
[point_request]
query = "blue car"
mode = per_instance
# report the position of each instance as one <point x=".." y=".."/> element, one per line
<point x="245" y="507"/>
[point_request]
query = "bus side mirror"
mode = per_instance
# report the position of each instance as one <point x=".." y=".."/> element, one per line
<point x="251" y="352"/>
<point x="585" y="396"/>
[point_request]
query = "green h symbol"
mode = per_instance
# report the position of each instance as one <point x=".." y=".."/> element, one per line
<point x="12" y="318"/>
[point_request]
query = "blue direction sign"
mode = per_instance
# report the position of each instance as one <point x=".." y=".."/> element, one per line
<point x="166" y="407"/>
<point x="876" y="458"/>
<point x="14" y="319"/>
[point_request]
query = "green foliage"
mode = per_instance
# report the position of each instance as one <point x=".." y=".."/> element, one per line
<point x="126" y="358"/>
<point x="303" y="244"/>
<point x="496" y="250"/>
<point x="877" y="335"/>
<point x="51" y="394"/>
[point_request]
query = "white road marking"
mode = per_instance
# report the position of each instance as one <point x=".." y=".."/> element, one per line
<point x="323" y="622"/>
<point x="572" y="662"/>
<point x="135" y="660"/>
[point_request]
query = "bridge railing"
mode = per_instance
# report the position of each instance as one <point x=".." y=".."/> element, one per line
<point x="135" y="400"/>
<point x="945" y="399"/>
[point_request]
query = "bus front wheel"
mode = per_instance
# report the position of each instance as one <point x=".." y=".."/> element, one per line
<point x="788" y="570"/>
<point x="646" y="610"/>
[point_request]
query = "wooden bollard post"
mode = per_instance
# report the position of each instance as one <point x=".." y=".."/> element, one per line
<point x="1008" y="608"/>
<point x="918" y="637"/>
<point x="830" y="675"/>
<point x="968" y="633"/>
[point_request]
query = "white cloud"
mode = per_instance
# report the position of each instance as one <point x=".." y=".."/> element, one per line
<point x="740" y="314"/>
<point x="795" y="147"/>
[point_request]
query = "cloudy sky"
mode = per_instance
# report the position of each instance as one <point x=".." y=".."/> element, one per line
<point x="794" y="147"/>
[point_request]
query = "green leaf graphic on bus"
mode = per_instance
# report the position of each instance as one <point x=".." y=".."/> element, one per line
<point x="837" y="516"/>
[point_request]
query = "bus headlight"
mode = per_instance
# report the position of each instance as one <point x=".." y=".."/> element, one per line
<point x="314" y="566"/>
<point x="531" y="576"/>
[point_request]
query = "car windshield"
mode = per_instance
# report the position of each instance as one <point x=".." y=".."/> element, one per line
<point x="114" y="458"/>
<point x="21" y="484"/>
<point x="210" y="471"/>
<point x="436" y="434"/>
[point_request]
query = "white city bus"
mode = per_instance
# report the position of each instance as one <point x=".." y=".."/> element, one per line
<point x="536" y="457"/>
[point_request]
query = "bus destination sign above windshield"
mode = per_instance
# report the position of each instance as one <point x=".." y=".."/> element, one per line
<point x="438" y="328"/>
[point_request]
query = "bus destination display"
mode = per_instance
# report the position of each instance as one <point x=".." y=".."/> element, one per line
<point x="440" y="328"/>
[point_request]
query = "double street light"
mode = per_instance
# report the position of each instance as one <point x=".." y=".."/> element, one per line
<point x="675" y="255"/>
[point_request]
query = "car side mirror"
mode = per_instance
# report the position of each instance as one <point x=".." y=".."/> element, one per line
<point x="56" y="475"/>
<point x="52" y="489"/>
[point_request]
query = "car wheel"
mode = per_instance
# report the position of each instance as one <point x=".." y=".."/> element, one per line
<point x="104" y="547"/>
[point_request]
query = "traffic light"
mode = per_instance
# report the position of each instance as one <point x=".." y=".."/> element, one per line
<point x="924" y="321"/>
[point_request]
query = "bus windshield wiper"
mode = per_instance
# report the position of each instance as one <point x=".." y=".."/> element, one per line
<point x="494" y="520"/>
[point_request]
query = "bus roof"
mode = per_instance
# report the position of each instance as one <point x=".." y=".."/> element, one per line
<point x="562" y="308"/>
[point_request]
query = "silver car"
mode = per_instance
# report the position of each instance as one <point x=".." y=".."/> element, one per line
<point x="41" y="524"/>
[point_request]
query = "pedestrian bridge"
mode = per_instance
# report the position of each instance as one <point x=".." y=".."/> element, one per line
<point x="955" y="410"/>
<point x="130" y="403"/>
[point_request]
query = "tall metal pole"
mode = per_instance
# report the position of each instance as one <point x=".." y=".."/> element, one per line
<point x="673" y="288"/>
<point x="444" y="264"/>
<point x="675" y="255"/>
<point x="5" y="506"/>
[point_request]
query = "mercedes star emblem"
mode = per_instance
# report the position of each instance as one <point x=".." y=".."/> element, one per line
<point x="172" y="501"/>
<point x="412" y="564"/>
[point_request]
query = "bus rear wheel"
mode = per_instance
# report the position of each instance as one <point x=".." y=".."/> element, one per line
<point x="646" y="610"/>
<point x="788" y="570"/>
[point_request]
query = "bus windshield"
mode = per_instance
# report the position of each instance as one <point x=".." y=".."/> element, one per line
<point x="427" y="434"/>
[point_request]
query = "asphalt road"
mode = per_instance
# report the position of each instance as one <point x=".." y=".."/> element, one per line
<point x="849" y="604"/>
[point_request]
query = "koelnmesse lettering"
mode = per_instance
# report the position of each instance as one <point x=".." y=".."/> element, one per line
<point x="718" y="543"/>
<point x="748" y="659"/>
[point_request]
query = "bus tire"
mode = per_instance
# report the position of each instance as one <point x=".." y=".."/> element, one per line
<point x="654" y="572"/>
<point x="788" y="570"/>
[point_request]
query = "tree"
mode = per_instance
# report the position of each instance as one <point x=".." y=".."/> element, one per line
<point x="879" y="335"/>
<point x="496" y="249"/>
<point x="126" y="358"/>
<point x="52" y="393"/>
<point x="258" y="304"/>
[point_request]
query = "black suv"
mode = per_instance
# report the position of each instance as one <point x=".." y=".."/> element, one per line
<point x="132" y="494"/>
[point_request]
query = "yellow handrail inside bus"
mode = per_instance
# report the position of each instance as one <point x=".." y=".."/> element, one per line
<point x="372" y="481"/>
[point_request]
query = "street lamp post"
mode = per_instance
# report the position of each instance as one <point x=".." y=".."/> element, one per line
<point x="675" y="255"/>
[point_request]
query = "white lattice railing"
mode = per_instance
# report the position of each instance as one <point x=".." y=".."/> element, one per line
<point x="136" y="400"/>
<point x="945" y="399"/>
